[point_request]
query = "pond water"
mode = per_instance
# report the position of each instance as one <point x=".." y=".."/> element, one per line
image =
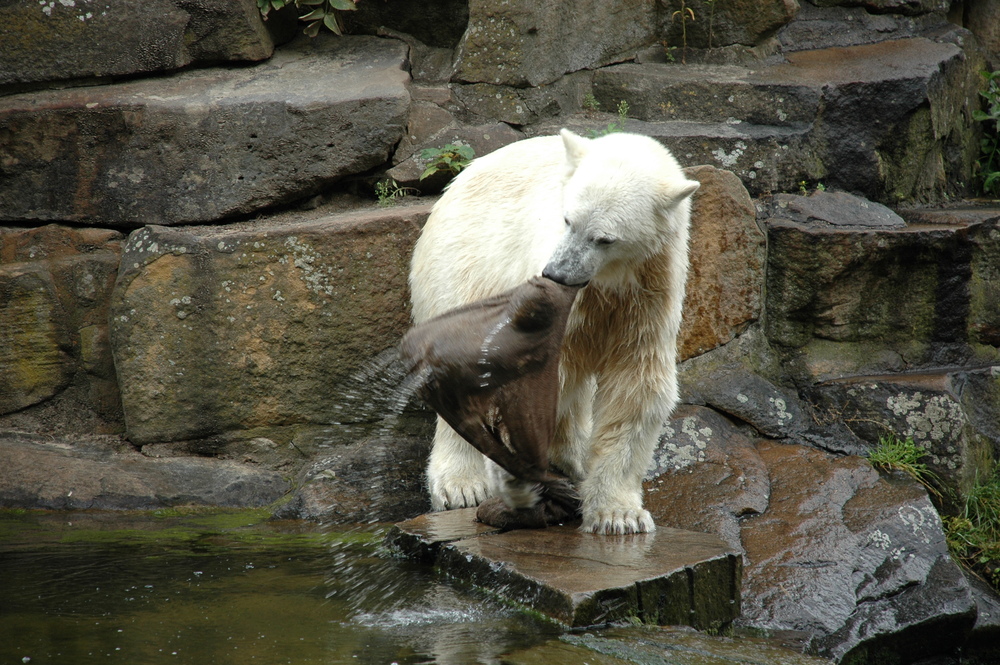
<point x="230" y="589"/>
<point x="213" y="588"/>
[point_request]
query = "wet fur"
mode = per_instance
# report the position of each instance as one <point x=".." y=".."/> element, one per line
<point x="499" y="224"/>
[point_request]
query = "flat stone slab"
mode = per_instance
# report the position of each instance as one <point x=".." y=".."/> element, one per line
<point x="205" y="144"/>
<point x="669" y="577"/>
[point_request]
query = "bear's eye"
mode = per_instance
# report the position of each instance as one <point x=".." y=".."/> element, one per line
<point x="566" y="219"/>
<point x="604" y="240"/>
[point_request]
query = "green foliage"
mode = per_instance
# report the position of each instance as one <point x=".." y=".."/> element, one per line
<point x="895" y="454"/>
<point x="974" y="534"/>
<point x="988" y="165"/>
<point x="388" y="192"/>
<point x="316" y="14"/>
<point x="613" y="127"/>
<point x="590" y="102"/>
<point x="685" y="14"/>
<point x="804" y="187"/>
<point x="452" y="158"/>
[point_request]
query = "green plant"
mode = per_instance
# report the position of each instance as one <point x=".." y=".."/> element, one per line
<point x="613" y="127"/>
<point x="988" y="165"/>
<point x="316" y="14"/>
<point x="388" y="192"/>
<point x="711" y="19"/>
<point x="684" y="12"/>
<point x="590" y="102"/>
<point x="974" y="534"/>
<point x="804" y="187"/>
<point x="452" y="158"/>
<point x="895" y="454"/>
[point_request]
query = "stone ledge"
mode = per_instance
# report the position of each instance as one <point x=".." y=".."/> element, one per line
<point x="670" y="577"/>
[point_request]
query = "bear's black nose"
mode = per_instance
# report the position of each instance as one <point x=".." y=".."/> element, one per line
<point x="560" y="277"/>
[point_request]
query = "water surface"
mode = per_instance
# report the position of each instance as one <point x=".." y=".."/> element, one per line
<point x="147" y="589"/>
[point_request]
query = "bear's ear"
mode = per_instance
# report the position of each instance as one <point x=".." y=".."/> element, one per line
<point x="576" y="147"/>
<point x="675" y="191"/>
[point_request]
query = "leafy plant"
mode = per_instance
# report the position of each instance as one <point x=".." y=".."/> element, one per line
<point x="711" y="19"/>
<point x="590" y="102"/>
<point x="895" y="454"/>
<point x="452" y="158"/>
<point x="974" y="534"/>
<point x="388" y="192"/>
<point x="683" y="13"/>
<point x="804" y="187"/>
<point x="613" y="127"/>
<point x="316" y="14"/>
<point x="988" y="165"/>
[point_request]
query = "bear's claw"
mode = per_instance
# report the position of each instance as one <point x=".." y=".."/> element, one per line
<point x="617" y="522"/>
<point x="456" y="495"/>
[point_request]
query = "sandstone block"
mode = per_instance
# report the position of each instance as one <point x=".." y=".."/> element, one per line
<point x="746" y="22"/>
<point x="888" y="120"/>
<point x="203" y="145"/>
<point x="231" y="328"/>
<point x="523" y="43"/>
<point x="51" y="41"/>
<point x="55" y="291"/>
<point x="667" y="577"/>
<point x="726" y="277"/>
<point x="876" y="300"/>
<point x="59" y="476"/>
<point x="483" y="139"/>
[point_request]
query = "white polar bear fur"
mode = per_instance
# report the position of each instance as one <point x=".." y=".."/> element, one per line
<point x="615" y="211"/>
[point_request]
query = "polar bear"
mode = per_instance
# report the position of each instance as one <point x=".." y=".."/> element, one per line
<point x="611" y="213"/>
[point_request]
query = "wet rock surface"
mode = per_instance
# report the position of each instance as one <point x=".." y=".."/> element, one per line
<point x="666" y="577"/>
<point x="104" y="474"/>
<point x="642" y="645"/>
<point x="833" y="551"/>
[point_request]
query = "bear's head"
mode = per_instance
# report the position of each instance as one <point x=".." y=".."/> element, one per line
<point x="625" y="198"/>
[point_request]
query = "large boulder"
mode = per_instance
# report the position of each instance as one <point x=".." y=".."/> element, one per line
<point x="726" y="278"/>
<point x="953" y="415"/>
<point x="864" y="297"/>
<point x="55" y="292"/>
<point x="853" y="562"/>
<point x="887" y="120"/>
<point x="54" y="41"/>
<point x="521" y="43"/>
<point x="203" y="145"/>
<point x="263" y="325"/>
<point x="715" y="24"/>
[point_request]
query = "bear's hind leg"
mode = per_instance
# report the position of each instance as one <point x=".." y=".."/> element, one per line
<point x="456" y="471"/>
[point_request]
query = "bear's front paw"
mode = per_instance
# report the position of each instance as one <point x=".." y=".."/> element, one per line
<point x="610" y="522"/>
<point x="452" y="494"/>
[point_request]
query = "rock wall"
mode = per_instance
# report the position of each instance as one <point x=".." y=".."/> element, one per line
<point x="199" y="295"/>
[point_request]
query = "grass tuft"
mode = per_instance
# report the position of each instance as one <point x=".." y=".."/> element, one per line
<point x="895" y="454"/>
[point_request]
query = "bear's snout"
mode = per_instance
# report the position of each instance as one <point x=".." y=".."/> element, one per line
<point x="561" y="277"/>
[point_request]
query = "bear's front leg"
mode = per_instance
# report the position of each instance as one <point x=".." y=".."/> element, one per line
<point x="624" y="437"/>
<point x="456" y="471"/>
